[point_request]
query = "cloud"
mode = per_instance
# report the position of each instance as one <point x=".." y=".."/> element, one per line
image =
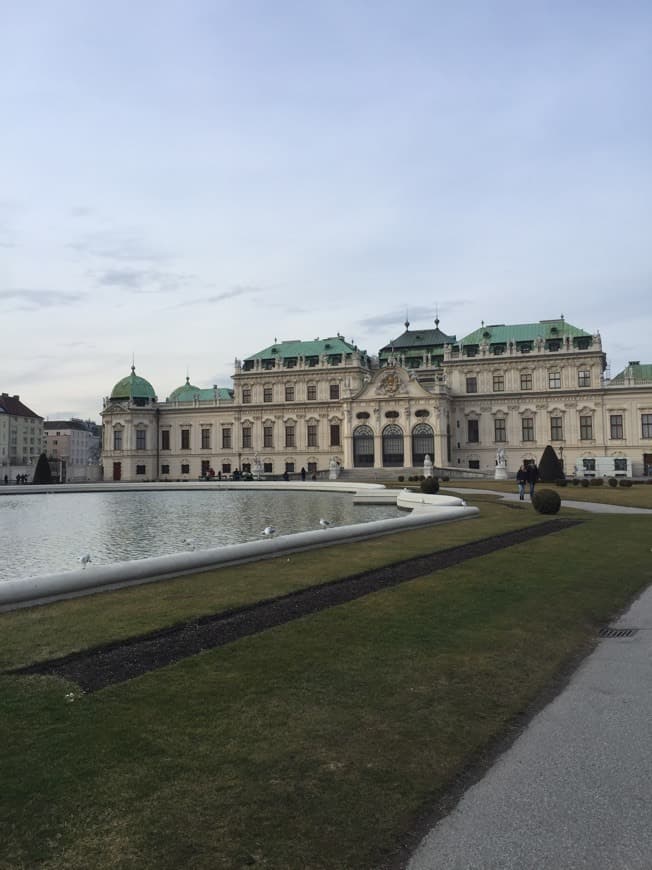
<point x="81" y="211"/>
<point x="28" y="300"/>
<point x="419" y="316"/>
<point x="120" y="246"/>
<point x="144" y="280"/>
<point x="220" y="297"/>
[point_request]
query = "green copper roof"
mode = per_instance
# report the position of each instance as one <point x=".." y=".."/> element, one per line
<point x="189" y="393"/>
<point x="133" y="387"/>
<point x="639" y="374"/>
<point x="185" y="393"/>
<point x="291" y="349"/>
<point x="501" y="333"/>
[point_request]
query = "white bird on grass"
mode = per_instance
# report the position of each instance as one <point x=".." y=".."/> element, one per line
<point x="269" y="531"/>
<point x="324" y="523"/>
<point x="85" y="560"/>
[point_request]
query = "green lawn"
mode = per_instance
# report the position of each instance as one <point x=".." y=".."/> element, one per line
<point x="639" y="495"/>
<point x="317" y="744"/>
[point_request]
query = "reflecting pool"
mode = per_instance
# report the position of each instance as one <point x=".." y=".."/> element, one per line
<point x="48" y="532"/>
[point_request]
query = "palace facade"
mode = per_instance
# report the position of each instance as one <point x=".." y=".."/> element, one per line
<point x="302" y="404"/>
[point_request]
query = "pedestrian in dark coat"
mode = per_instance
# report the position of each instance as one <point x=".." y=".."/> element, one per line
<point x="532" y="476"/>
<point x="521" y="479"/>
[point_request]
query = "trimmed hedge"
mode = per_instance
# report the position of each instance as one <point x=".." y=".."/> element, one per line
<point x="613" y="481"/>
<point x="624" y="481"/>
<point x="430" y="485"/>
<point x="561" y="482"/>
<point x="585" y="481"/>
<point x="546" y="501"/>
<point x="596" y="481"/>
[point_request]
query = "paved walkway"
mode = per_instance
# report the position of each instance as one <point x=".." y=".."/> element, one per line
<point x="592" y="506"/>
<point x="575" y="789"/>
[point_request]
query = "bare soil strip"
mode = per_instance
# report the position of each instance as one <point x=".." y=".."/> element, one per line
<point x="96" y="668"/>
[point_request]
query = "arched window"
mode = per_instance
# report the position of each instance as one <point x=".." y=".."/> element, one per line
<point x="363" y="447"/>
<point x="423" y="442"/>
<point x="392" y="446"/>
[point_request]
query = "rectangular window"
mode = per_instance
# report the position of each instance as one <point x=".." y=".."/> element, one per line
<point x="312" y="393"/>
<point x="246" y="437"/>
<point x="526" y="381"/>
<point x="289" y="393"/>
<point x="205" y="439"/>
<point x="165" y="440"/>
<point x="334" y="391"/>
<point x="117" y="439"/>
<point x="312" y="468"/>
<point x="205" y="467"/>
<point x="267" y="467"/>
<point x="335" y="434"/>
<point x="471" y="385"/>
<point x="226" y="439"/>
<point x="226" y="468"/>
<point x="646" y="425"/>
<point x="141" y="439"/>
<point x="556" y="431"/>
<point x="500" y="431"/>
<point x="246" y="395"/>
<point x="616" y="425"/>
<point x="474" y="463"/>
<point x="268" y="436"/>
<point x="185" y="469"/>
<point x="584" y="378"/>
<point x="268" y="394"/>
<point x="586" y="428"/>
<point x="289" y="436"/>
<point x="620" y="465"/>
<point x="289" y="467"/>
<point x="588" y="464"/>
<point x="554" y="380"/>
<point x="473" y="431"/>
<point x="499" y="383"/>
<point x="165" y="469"/>
<point x="140" y="469"/>
<point x="527" y="428"/>
<point x="185" y="439"/>
<point x="312" y="435"/>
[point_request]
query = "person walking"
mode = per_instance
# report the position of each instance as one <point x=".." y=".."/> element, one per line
<point x="521" y="479"/>
<point x="303" y="474"/>
<point x="532" y="476"/>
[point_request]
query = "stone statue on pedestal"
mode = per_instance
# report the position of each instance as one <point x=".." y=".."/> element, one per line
<point x="427" y="466"/>
<point x="501" y="465"/>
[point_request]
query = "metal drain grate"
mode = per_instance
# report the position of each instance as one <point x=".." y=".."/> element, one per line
<point x="618" y="632"/>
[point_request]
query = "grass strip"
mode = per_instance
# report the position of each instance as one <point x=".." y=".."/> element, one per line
<point x="100" y="667"/>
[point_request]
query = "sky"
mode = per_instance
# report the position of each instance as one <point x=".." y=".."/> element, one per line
<point x="182" y="182"/>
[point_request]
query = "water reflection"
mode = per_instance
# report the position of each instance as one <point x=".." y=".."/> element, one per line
<point x="42" y="533"/>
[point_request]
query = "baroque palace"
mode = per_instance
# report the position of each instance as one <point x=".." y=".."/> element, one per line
<point x="303" y="404"/>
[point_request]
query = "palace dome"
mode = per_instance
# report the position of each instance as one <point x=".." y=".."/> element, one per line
<point x="185" y="393"/>
<point x="134" y="388"/>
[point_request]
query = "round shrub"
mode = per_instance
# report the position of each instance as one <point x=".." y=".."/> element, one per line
<point x="576" y="481"/>
<point x="561" y="482"/>
<point x="401" y="477"/>
<point x="625" y="481"/>
<point x="596" y="481"/>
<point x="585" y="481"/>
<point x="430" y="485"/>
<point x="546" y="501"/>
<point x="613" y="481"/>
<point x="446" y="479"/>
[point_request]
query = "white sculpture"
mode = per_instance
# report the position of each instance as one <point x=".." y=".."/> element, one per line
<point x="333" y="469"/>
<point x="501" y="465"/>
<point x="427" y="466"/>
<point x="258" y="467"/>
